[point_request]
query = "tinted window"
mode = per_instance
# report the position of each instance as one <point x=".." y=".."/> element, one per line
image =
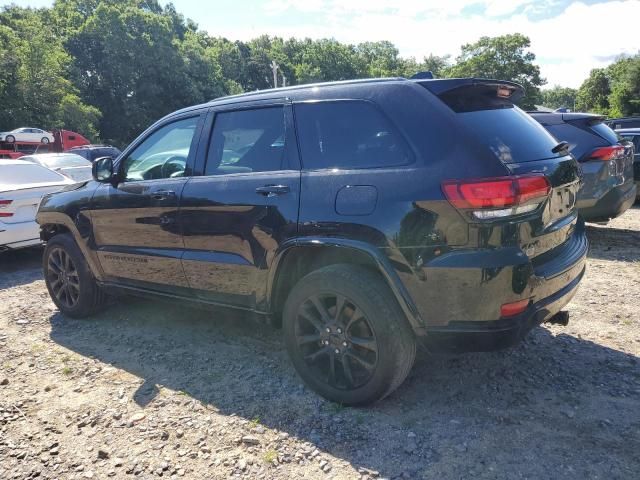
<point x="605" y="132"/>
<point x="25" y="174"/>
<point x="350" y="134"/>
<point x="581" y="141"/>
<point x="163" y="154"/>
<point x="511" y="134"/>
<point x="247" y="141"/>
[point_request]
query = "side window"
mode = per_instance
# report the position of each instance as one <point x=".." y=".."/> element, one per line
<point x="246" y="141"/>
<point x="348" y="134"/>
<point x="163" y="154"/>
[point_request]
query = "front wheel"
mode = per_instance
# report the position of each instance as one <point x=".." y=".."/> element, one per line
<point x="71" y="284"/>
<point x="346" y="335"/>
<point x="10" y="139"/>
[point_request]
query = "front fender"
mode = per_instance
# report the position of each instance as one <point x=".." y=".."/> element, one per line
<point x="383" y="264"/>
<point x="70" y="209"/>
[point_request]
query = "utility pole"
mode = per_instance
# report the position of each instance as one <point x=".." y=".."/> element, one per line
<point x="274" y="69"/>
<point x="284" y="79"/>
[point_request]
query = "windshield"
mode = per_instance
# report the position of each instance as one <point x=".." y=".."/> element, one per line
<point x="22" y="174"/>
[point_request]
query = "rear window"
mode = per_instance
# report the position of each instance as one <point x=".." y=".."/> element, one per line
<point x="348" y="134"/>
<point x="66" y="161"/>
<point x="24" y="174"/>
<point x="605" y="132"/>
<point x="511" y="134"/>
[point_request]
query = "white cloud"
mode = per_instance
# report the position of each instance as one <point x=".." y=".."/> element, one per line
<point x="567" y="45"/>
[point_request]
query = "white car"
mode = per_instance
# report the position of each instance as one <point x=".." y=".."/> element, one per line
<point x="22" y="186"/>
<point x="26" y="134"/>
<point x="70" y="165"/>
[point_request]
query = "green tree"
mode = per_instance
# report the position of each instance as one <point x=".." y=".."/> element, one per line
<point x="34" y="84"/>
<point x="624" y="77"/>
<point x="558" y="97"/>
<point x="593" y="94"/>
<point x="503" y="58"/>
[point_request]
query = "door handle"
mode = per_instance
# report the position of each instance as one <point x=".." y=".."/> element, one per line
<point x="272" y="190"/>
<point x="163" y="194"/>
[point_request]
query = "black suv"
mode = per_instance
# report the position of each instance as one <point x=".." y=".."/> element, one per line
<point x="93" y="152"/>
<point x="608" y="189"/>
<point x="365" y="215"/>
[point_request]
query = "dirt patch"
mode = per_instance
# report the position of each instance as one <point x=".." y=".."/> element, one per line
<point x="150" y="389"/>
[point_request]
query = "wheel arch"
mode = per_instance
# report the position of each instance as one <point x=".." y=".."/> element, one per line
<point x="301" y="257"/>
<point x="57" y="223"/>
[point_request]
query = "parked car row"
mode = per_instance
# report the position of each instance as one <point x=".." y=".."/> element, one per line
<point x="608" y="187"/>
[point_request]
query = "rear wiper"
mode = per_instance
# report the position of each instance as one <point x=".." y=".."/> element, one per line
<point x="560" y="147"/>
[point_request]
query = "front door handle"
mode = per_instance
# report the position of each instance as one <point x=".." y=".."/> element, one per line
<point x="163" y="194"/>
<point x="272" y="190"/>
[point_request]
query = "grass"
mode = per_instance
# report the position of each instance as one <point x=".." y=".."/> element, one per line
<point x="67" y="371"/>
<point x="270" y="456"/>
<point x="255" y="421"/>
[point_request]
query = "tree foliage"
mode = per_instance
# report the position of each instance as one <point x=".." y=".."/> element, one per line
<point x="109" y="68"/>
<point x="613" y="91"/>
<point x="505" y="58"/>
<point x="558" y="97"/>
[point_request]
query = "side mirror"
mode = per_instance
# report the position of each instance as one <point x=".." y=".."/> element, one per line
<point x="102" y="170"/>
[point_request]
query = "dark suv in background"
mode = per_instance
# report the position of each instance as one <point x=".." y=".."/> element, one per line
<point x="92" y="152"/>
<point x="632" y="135"/>
<point x="608" y="188"/>
<point x="363" y="215"/>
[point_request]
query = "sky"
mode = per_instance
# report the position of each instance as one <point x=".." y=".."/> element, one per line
<point x="568" y="37"/>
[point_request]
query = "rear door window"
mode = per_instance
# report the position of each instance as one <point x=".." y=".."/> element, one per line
<point x="247" y="141"/>
<point x="348" y="135"/>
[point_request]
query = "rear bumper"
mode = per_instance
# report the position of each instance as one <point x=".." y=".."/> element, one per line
<point x="468" y="312"/>
<point x="611" y="205"/>
<point x="460" y="337"/>
<point x="19" y="235"/>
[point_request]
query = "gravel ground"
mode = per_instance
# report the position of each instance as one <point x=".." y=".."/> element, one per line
<point x="150" y="389"/>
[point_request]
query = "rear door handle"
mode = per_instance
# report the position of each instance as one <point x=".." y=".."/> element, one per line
<point x="163" y="194"/>
<point x="272" y="190"/>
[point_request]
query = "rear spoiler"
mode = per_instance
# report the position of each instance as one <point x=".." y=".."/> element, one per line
<point x="508" y="90"/>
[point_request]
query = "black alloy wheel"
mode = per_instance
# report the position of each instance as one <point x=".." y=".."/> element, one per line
<point x="337" y="340"/>
<point x="63" y="278"/>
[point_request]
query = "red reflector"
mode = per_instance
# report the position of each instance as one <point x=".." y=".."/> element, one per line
<point x="607" y="153"/>
<point x="496" y="192"/>
<point x="514" y="308"/>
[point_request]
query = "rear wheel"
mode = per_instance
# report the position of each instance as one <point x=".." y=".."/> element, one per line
<point x="44" y="140"/>
<point x="70" y="282"/>
<point x="346" y="335"/>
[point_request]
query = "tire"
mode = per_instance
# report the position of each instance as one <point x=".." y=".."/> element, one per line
<point x="44" y="140"/>
<point x="10" y="139"/>
<point x="370" y="345"/>
<point x="69" y="280"/>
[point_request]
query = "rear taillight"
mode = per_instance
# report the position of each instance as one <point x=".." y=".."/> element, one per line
<point x="4" y="204"/>
<point x="607" y="153"/>
<point x="514" y="308"/>
<point x="490" y="198"/>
